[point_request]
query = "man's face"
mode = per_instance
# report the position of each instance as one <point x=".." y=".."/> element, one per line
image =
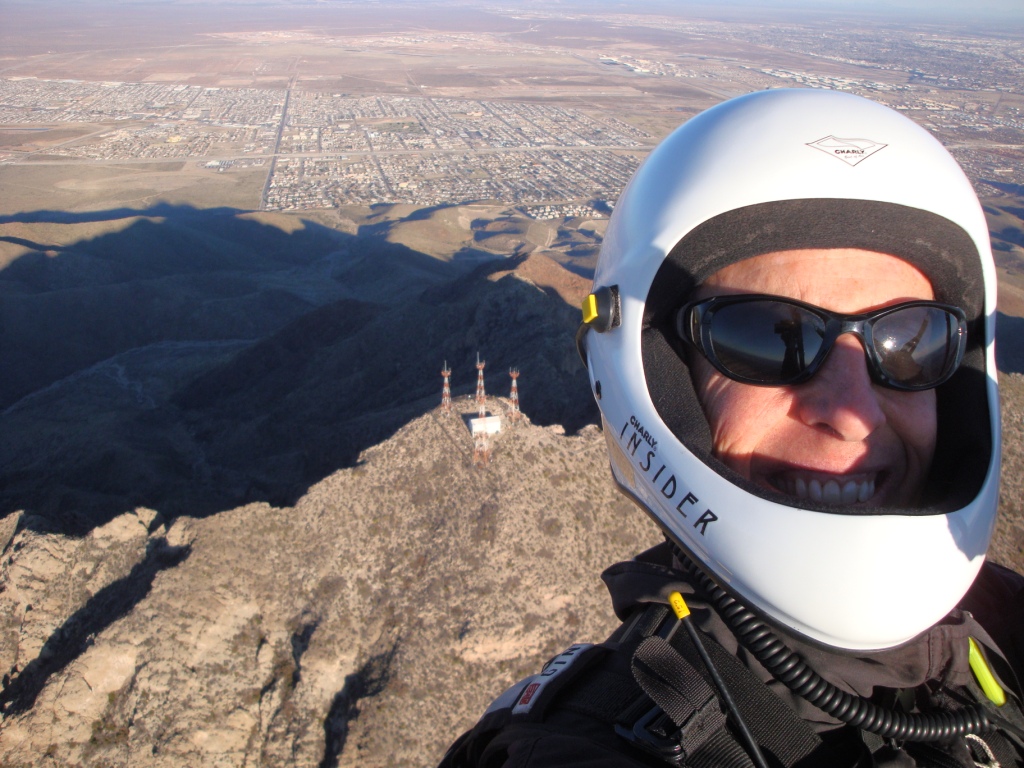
<point x="838" y="437"/>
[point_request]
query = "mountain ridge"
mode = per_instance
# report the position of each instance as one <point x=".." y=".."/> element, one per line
<point x="263" y="406"/>
<point x="314" y="634"/>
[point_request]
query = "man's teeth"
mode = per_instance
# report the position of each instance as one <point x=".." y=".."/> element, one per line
<point x="830" y="491"/>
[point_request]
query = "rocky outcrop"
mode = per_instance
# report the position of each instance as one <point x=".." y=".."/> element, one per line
<point x="366" y="625"/>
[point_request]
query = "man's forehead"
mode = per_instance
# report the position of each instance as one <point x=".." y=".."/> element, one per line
<point x="841" y="279"/>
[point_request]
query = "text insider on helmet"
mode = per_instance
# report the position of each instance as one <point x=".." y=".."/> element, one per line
<point x="790" y="339"/>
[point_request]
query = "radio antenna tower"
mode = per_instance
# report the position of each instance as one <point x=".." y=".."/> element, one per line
<point x="481" y="396"/>
<point x="446" y="391"/>
<point x="514" y="397"/>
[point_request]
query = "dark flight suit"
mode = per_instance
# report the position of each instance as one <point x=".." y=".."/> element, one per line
<point x="586" y="716"/>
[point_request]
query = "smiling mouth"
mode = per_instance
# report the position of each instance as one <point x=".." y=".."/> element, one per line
<point x="830" y="489"/>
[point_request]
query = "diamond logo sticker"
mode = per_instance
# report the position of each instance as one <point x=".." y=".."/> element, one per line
<point x="850" y="151"/>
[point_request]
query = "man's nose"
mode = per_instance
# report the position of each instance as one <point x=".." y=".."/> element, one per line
<point x="840" y="398"/>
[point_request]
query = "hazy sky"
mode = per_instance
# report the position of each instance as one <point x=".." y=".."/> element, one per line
<point x="924" y="7"/>
<point x="918" y="10"/>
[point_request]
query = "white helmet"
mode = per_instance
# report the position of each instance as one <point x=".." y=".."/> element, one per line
<point x="771" y="171"/>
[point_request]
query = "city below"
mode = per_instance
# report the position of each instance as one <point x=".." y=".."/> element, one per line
<point x="536" y="141"/>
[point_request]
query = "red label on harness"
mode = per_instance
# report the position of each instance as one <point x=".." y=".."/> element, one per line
<point x="531" y="689"/>
<point x="534" y="690"/>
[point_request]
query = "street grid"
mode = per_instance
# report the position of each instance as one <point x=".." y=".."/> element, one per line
<point x="327" y="147"/>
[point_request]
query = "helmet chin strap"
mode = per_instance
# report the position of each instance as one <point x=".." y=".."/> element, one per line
<point x="789" y="668"/>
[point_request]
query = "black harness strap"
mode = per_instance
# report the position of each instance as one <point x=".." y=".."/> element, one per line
<point x="681" y="692"/>
<point x="777" y="728"/>
<point x="660" y="699"/>
<point x="721" y="751"/>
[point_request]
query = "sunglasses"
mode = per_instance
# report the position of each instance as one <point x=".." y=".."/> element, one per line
<point x="773" y="341"/>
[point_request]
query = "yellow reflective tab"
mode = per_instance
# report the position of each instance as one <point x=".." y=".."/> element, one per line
<point x="986" y="679"/>
<point x="590" y="308"/>
<point x="679" y="605"/>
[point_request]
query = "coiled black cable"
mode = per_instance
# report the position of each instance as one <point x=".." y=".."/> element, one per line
<point x="788" y="667"/>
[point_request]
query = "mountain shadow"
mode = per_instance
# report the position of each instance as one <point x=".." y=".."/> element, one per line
<point x="197" y="360"/>
<point x="1009" y="343"/>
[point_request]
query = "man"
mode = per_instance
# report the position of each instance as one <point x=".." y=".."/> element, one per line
<point x="790" y="341"/>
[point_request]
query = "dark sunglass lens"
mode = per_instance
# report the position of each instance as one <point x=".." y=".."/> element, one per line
<point x="917" y="345"/>
<point x="765" y="341"/>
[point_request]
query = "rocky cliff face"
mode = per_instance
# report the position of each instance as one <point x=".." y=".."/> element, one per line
<point x="365" y="625"/>
<point x="311" y="572"/>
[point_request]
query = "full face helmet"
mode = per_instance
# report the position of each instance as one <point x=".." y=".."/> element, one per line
<point x="773" y="171"/>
